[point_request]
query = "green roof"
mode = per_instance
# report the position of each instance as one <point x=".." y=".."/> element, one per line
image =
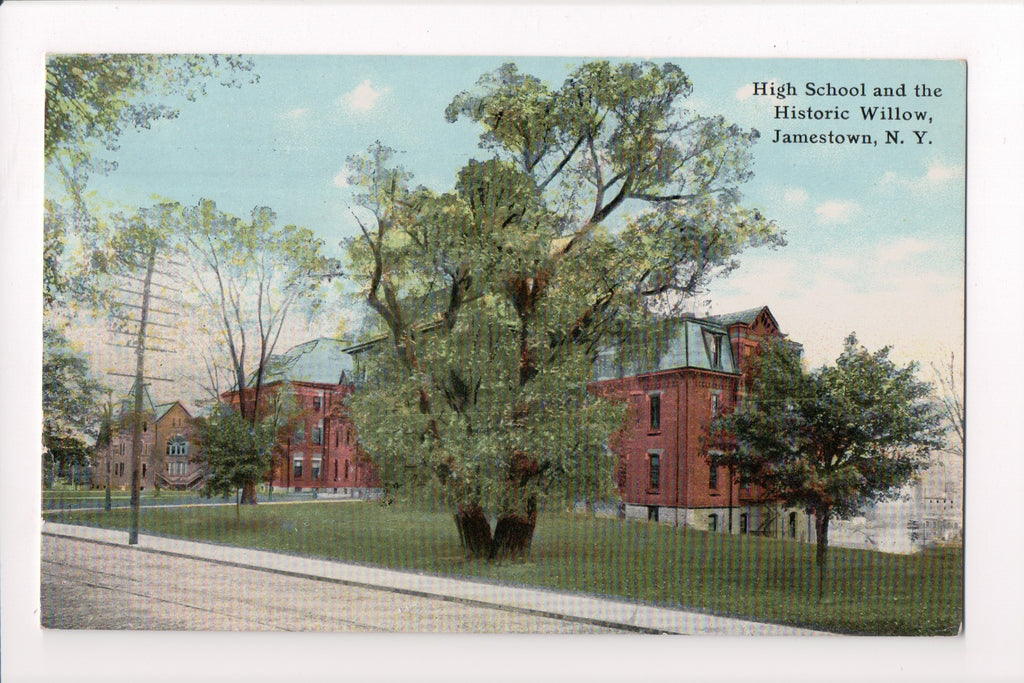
<point x="691" y="342"/>
<point x="321" y="361"/>
<point x="746" y="317"/>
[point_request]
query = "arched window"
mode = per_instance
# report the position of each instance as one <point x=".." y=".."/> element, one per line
<point x="177" y="445"/>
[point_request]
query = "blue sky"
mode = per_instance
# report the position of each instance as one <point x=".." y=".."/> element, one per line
<point x="876" y="233"/>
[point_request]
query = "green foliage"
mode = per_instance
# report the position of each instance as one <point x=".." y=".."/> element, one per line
<point x="91" y="99"/>
<point x="835" y="439"/>
<point x="71" y="399"/>
<point x="498" y="295"/>
<point x="235" y="449"/>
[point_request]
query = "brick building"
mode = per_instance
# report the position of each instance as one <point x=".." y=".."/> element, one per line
<point x="663" y="471"/>
<point x="319" y="449"/>
<point x="168" y="454"/>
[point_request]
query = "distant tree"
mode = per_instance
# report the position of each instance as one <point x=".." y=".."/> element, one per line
<point x="249" y="276"/>
<point x="833" y="439"/>
<point x="951" y="399"/>
<point x="71" y="399"/>
<point x="605" y="204"/>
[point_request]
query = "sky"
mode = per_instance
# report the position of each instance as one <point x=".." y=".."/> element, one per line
<point x="875" y="233"/>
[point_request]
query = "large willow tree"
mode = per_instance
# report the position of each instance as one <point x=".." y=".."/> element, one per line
<point x="603" y="204"/>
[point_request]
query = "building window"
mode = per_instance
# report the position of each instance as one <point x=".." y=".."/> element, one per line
<point x="792" y="525"/>
<point x="318" y="433"/>
<point x="655" y="405"/>
<point x="317" y="403"/>
<point x="713" y="478"/>
<point x="712" y="522"/>
<point x="743" y="523"/>
<point x="655" y="471"/>
<point x="346" y="470"/>
<point x="652" y="513"/>
<point x="143" y="470"/>
<point x="177" y="445"/>
<point x="713" y="344"/>
<point x="335" y="470"/>
<point x="716" y="405"/>
<point x="316" y="469"/>
<point x="297" y="466"/>
<point x="300" y="433"/>
<point x="336" y="437"/>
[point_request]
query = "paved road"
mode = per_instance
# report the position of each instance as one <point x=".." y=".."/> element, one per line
<point x="88" y="585"/>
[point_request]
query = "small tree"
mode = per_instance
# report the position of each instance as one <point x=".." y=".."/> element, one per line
<point x="834" y="439"/>
<point x="235" y="449"/>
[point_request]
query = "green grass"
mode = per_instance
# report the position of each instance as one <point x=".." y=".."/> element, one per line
<point x="748" y="577"/>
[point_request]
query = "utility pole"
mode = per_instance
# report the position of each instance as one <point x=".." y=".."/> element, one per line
<point x="110" y="443"/>
<point x="140" y="377"/>
<point x="140" y="362"/>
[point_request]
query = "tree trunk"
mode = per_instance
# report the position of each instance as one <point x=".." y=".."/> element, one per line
<point x="249" y="492"/>
<point x="821" y="518"/>
<point x="474" y="531"/>
<point x="513" y="534"/>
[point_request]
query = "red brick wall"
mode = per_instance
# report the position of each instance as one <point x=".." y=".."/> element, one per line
<point x="342" y="464"/>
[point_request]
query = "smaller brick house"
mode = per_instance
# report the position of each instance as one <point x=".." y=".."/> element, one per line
<point x="169" y="459"/>
<point x="319" y="449"/>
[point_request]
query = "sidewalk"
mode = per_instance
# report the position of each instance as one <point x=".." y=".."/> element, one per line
<point x="573" y="607"/>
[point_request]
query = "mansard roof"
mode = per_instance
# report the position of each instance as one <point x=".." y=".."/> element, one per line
<point x="687" y="342"/>
<point x="321" y="361"/>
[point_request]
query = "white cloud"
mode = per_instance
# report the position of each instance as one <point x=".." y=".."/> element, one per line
<point x="937" y="175"/>
<point x="940" y="173"/>
<point x="341" y="180"/>
<point x="363" y="97"/>
<point x="795" y="196"/>
<point x="818" y="302"/>
<point x="836" y="211"/>
<point x="902" y="249"/>
<point x="294" y="114"/>
<point x="746" y="91"/>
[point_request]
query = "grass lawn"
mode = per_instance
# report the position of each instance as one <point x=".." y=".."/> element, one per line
<point x="748" y="577"/>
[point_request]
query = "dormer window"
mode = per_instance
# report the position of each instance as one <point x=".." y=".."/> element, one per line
<point x="713" y="344"/>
